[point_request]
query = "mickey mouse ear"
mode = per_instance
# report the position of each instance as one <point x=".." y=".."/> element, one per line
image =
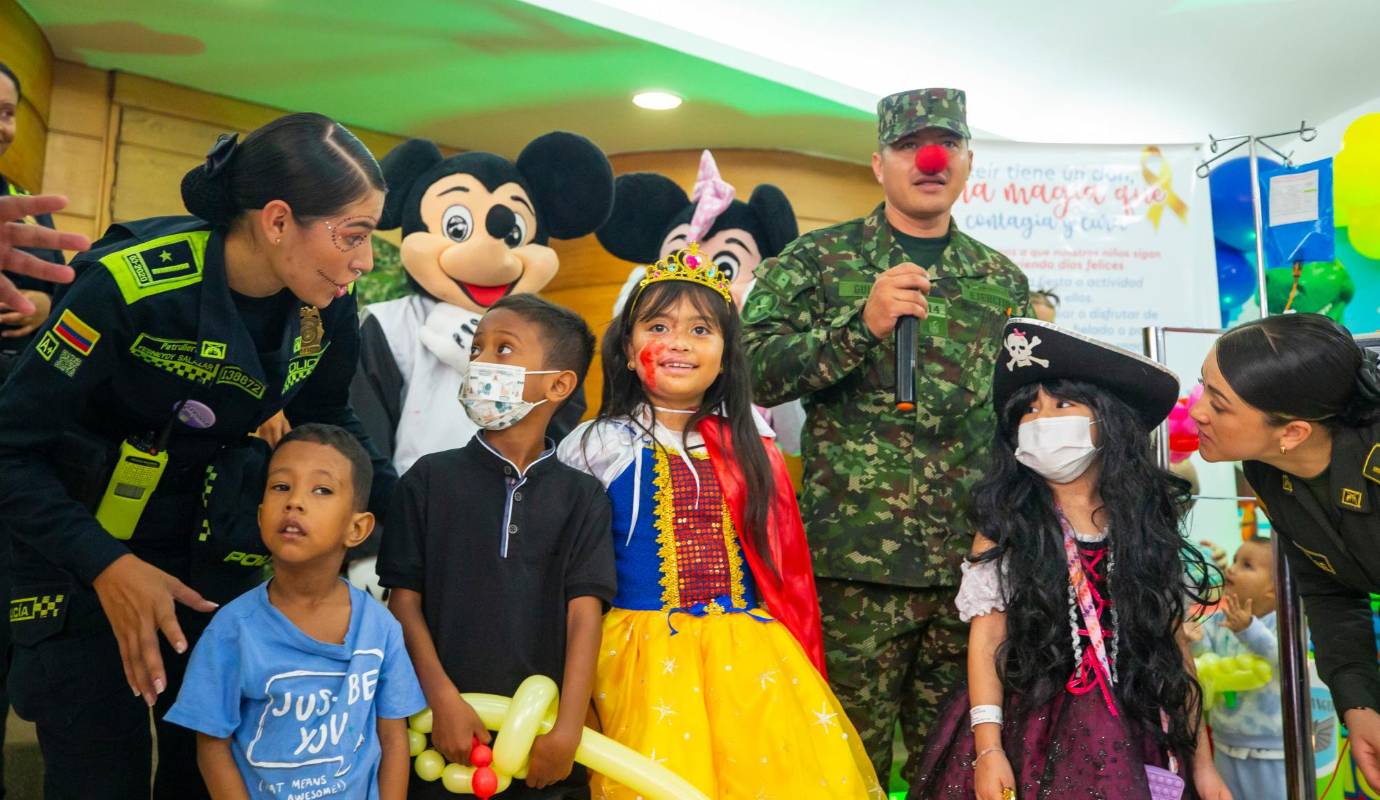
<point x="571" y="182"/>
<point x="402" y="167"/>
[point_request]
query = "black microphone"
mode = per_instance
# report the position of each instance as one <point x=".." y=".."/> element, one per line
<point x="905" y="363"/>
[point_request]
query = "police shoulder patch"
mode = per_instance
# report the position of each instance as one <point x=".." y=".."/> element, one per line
<point x="47" y="346"/>
<point x="158" y="265"/>
<point x="759" y="306"/>
<point x="38" y="607"/>
<point x="1371" y="469"/>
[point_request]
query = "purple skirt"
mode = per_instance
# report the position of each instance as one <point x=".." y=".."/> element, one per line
<point x="1071" y="748"/>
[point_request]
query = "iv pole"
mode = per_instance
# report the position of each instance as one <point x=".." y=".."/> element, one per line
<point x="1300" y="775"/>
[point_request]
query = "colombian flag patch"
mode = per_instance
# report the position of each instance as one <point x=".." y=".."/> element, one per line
<point x="75" y="333"/>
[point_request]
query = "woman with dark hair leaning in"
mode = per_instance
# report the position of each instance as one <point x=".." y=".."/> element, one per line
<point x="126" y="467"/>
<point x="1297" y="401"/>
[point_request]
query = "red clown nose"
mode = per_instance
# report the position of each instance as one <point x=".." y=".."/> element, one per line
<point x="931" y="159"/>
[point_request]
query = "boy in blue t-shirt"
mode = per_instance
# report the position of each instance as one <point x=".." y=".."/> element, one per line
<point x="301" y="687"/>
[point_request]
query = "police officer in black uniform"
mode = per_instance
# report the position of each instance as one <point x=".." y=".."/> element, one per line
<point x="1296" y="400"/>
<point x="179" y="337"/>
<point x="19" y="317"/>
<point x="17" y="326"/>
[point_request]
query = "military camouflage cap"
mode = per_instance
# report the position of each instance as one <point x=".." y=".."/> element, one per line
<point x="907" y="112"/>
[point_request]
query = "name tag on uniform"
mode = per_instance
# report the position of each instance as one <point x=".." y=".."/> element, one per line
<point x="1371" y="469"/>
<point x="987" y="294"/>
<point x="937" y="323"/>
<point x="854" y="289"/>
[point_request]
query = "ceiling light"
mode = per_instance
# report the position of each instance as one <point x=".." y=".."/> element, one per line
<point x="656" y="101"/>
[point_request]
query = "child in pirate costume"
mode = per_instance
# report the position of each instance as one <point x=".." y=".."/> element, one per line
<point x="711" y="656"/>
<point x="1078" y="683"/>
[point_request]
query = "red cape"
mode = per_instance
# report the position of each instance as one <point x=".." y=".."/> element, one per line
<point x="790" y="595"/>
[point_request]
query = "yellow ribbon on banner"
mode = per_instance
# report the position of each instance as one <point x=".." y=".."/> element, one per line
<point x="1162" y="181"/>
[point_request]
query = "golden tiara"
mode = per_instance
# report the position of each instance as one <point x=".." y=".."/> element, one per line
<point x="689" y="265"/>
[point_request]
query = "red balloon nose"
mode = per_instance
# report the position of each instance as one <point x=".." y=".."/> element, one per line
<point x="931" y="159"/>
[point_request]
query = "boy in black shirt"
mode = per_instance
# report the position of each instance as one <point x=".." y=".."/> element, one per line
<point x="499" y="557"/>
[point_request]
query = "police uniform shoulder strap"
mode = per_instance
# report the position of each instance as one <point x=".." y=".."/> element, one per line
<point x="1370" y="469"/>
<point x="158" y="265"/>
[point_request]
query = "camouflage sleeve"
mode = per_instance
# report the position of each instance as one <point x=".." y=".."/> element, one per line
<point x="1020" y="290"/>
<point x="795" y="345"/>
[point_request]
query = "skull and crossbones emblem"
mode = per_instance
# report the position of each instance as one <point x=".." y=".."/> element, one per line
<point x="1020" y="349"/>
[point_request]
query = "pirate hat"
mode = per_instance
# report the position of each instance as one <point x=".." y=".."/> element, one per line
<point x="1036" y="352"/>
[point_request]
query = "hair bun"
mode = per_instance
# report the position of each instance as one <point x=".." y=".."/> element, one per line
<point x="1364" y="406"/>
<point x="206" y="187"/>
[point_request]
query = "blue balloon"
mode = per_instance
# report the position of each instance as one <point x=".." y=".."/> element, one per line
<point x="1233" y="220"/>
<point x="1235" y="279"/>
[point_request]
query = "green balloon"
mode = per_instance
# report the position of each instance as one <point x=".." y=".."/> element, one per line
<point x="1324" y="288"/>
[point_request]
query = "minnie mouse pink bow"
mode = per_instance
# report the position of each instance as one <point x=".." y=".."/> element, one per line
<point x="712" y="197"/>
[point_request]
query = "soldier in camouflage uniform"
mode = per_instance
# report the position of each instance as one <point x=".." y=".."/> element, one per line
<point x="886" y="493"/>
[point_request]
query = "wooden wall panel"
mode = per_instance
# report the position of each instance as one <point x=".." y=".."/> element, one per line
<point x="78" y="160"/>
<point x="222" y="113"/>
<point x="140" y="126"/>
<point x="73" y="168"/>
<point x="81" y="100"/>
<point x="148" y="181"/>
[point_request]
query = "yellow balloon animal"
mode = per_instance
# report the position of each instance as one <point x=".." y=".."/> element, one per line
<point x="519" y="720"/>
<point x="1218" y="675"/>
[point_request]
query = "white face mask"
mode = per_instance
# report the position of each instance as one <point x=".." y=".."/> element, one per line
<point x="1059" y="449"/>
<point x="492" y="394"/>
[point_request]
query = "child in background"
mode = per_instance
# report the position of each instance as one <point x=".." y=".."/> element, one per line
<point x="1078" y="682"/>
<point x="1248" y="734"/>
<point x="1045" y="304"/>
<point x="711" y="655"/>
<point x="304" y="683"/>
<point x="499" y="555"/>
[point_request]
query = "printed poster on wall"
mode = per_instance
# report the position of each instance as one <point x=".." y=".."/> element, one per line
<point x="1123" y="234"/>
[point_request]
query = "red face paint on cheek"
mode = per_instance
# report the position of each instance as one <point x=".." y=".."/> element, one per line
<point x="648" y="358"/>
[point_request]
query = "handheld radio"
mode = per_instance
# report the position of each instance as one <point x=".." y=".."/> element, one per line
<point x="140" y="466"/>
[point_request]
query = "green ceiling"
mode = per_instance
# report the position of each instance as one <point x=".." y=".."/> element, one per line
<point x="481" y="74"/>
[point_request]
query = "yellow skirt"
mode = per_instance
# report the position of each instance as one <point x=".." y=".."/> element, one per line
<point x="731" y="704"/>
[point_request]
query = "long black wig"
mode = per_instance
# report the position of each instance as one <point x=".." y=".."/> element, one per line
<point x="1157" y="571"/>
<point x="730" y="394"/>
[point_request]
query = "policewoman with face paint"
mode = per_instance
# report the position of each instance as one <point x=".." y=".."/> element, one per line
<point x="127" y="473"/>
<point x="1298" y="401"/>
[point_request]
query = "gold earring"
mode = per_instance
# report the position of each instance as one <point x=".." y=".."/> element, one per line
<point x="279" y="240"/>
<point x="1282" y="451"/>
<point x="631" y="368"/>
